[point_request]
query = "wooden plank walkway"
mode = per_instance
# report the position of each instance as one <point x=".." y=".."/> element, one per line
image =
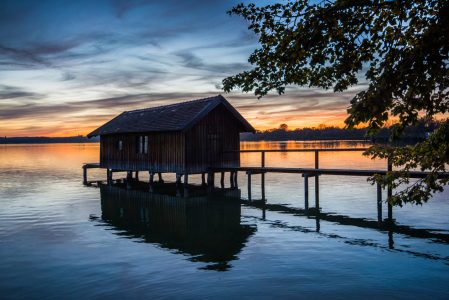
<point x="313" y="171"/>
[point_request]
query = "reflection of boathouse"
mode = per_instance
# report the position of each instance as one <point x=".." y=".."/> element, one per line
<point x="208" y="229"/>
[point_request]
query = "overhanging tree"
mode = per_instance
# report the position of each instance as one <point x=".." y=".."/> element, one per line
<point x="401" y="47"/>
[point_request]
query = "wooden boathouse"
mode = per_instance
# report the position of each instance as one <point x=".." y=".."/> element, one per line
<point x="182" y="138"/>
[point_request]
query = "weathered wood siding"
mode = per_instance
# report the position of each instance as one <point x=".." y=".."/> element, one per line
<point x="177" y="152"/>
<point x="166" y="152"/>
<point x="216" y="132"/>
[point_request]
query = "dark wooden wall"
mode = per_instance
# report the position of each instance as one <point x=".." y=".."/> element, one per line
<point x="165" y="152"/>
<point x="216" y="132"/>
<point x="177" y="152"/>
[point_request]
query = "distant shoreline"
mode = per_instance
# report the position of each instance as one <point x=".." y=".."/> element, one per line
<point x="85" y="140"/>
<point x="48" y="140"/>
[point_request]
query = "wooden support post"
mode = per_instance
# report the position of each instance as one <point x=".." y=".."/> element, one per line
<point x="203" y="178"/>
<point x="249" y="185"/>
<point x="84" y="175"/>
<point x="306" y="192"/>
<point x="263" y="185"/>
<point x="222" y="179"/>
<point x="379" y="204"/>
<point x="317" y="183"/>
<point x="178" y="178"/>
<point x="262" y="177"/>
<point x="137" y="175"/>
<point x="186" y="179"/>
<point x="151" y="177"/>
<point x="109" y="174"/>
<point x="160" y="177"/>
<point x="129" y="175"/>
<point x="235" y="179"/>
<point x="231" y="178"/>
<point x="263" y="159"/>
<point x="390" y="193"/>
<point x="211" y="178"/>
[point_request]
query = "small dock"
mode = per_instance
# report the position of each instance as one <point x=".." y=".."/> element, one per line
<point x="306" y="173"/>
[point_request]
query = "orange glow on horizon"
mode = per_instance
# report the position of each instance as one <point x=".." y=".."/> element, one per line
<point x="61" y="129"/>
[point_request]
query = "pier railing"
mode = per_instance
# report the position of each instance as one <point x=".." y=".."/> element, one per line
<point x="317" y="151"/>
<point x="313" y="172"/>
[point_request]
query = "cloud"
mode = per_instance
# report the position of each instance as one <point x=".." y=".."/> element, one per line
<point x="66" y="76"/>
<point x="190" y="60"/>
<point x="10" y="92"/>
<point x="120" y="7"/>
<point x="22" y="56"/>
<point x="108" y="106"/>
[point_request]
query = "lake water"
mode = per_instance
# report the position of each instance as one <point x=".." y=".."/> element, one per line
<point x="61" y="239"/>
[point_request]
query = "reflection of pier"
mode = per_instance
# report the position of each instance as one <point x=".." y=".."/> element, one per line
<point x="206" y="228"/>
<point x="390" y="227"/>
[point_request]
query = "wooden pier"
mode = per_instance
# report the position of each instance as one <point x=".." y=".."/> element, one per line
<point x="262" y="170"/>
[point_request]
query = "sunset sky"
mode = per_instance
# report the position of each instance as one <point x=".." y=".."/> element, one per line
<point x="67" y="67"/>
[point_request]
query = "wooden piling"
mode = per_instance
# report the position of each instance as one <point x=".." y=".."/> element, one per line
<point x="390" y="193"/>
<point x="109" y="176"/>
<point x="231" y="178"/>
<point x="151" y="177"/>
<point x="137" y="175"/>
<point x="203" y="178"/>
<point x="186" y="179"/>
<point x="317" y="183"/>
<point x="306" y="192"/>
<point x="262" y="176"/>
<point x="211" y="178"/>
<point x="379" y="204"/>
<point x="263" y="159"/>
<point x="263" y="185"/>
<point x="178" y="178"/>
<point x="84" y="175"/>
<point x="160" y="177"/>
<point x="249" y="185"/>
<point x="222" y="179"/>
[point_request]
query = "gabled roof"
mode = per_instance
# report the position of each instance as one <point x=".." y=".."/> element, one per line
<point x="179" y="116"/>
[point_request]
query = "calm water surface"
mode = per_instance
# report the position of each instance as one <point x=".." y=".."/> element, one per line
<point x="60" y="239"/>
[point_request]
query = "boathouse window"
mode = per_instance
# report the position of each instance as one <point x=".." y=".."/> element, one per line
<point x="142" y="144"/>
<point x="119" y="145"/>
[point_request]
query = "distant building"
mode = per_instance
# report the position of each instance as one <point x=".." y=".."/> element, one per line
<point x="182" y="138"/>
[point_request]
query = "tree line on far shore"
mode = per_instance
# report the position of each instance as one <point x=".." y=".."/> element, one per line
<point x="48" y="140"/>
<point x="283" y="133"/>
